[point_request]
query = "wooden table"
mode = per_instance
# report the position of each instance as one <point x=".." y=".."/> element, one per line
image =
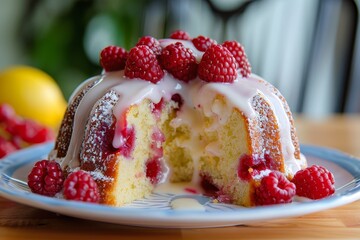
<point x="342" y="132"/>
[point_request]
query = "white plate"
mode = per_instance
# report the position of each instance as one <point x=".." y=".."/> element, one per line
<point x="155" y="211"/>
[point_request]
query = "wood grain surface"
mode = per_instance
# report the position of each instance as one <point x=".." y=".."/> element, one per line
<point x="341" y="132"/>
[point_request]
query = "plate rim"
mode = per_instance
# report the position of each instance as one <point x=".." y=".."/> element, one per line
<point x="179" y="219"/>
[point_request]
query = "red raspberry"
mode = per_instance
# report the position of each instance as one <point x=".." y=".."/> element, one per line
<point x="157" y="140"/>
<point x="17" y="142"/>
<point x="46" y="178"/>
<point x="32" y="132"/>
<point x="142" y="63"/>
<point x="211" y="190"/>
<point x="178" y="99"/>
<point x="203" y="43"/>
<point x="314" y="182"/>
<point x="217" y="65"/>
<point x="113" y="58"/>
<point x="6" y="147"/>
<point x="179" y="34"/>
<point x="80" y="186"/>
<point x="251" y="165"/>
<point x="151" y="42"/>
<point x="238" y="51"/>
<point x="157" y="108"/>
<point x="11" y="126"/>
<point x="6" y="112"/>
<point x="154" y="170"/>
<point x="274" y="189"/>
<point x="179" y="61"/>
<point x="128" y="141"/>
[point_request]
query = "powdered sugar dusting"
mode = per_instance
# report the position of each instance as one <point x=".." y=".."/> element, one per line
<point x="100" y="122"/>
<point x="99" y="176"/>
<point x="66" y="128"/>
<point x="262" y="174"/>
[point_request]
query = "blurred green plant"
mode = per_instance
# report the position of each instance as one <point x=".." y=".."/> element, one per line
<point x="65" y="38"/>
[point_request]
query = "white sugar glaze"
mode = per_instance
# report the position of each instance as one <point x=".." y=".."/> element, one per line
<point x="198" y="95"/>
<point x="187" y="204"/>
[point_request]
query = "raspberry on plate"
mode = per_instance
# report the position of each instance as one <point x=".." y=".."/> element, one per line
<point x="142" y="63"/>
<point x="6" y="147"/>
<point x="238" y="51"/>
<point x="203" y="43"/>
<point x="6" y="112"/>
<point x="80" y="186"/>
<point x="32" y="132"/>
<point x="179" y="61"/>
<point x="274" y="188"/>
<point x="113" y="58"/>
<point x="314" y="182"/>
<point x="179" y="34"/>
<point x="46" y="178"/>
<point x="151" y="42"/>
<point x="217" y="65"/>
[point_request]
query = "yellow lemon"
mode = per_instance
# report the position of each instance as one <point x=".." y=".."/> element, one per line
<point x="33" y="94"/>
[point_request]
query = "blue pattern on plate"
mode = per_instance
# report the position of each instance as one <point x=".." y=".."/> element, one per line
<point x="158" y="211"/>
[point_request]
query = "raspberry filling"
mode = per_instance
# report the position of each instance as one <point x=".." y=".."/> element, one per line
<point x="213" y="191"/>
<point x="156" y="144"/>
<point x="128" y="141"/>
<point x="250" y="166"/>
<point x="154" y="166"/>
<point x="157" y="108"/>
<point x="178" y="99"/>
<point x="154" y="170"/>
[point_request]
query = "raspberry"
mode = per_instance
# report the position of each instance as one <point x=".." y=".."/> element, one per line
<point x="142" y="63"/>
<point x="274" y="189"/>
<point x="314" y="182"/>
<point x="16" y="142"/>
<point x="11" y="126"/>
<point x="154" y="166"/>
<point x="156" y="108"/>
<point x="179" y="34"/>
<point x="46" y="178"/>
<point x="128" y="141"/>
<point x="178" y="99"/>
<point x="80" y="186"/>
<point x="217" y="65"/>
<point x="213" y="191"/>
<point x="238" y="51"/>
<point x="6" y="112"/>
<point x="154" y="170"/>
<point x="179" y="61"/>
<point x="43" y="134"/>
<point x="157" y="139"/>
<point x="152" y="43"/>
<point x="32" y="132"/>
<point x="6" y="147"/>
<point x="203" y="43"/>
<point x="250" y="165"/>
<point x="113" y="58"/>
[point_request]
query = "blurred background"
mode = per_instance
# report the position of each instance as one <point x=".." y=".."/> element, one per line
<point x="309" y="49"/>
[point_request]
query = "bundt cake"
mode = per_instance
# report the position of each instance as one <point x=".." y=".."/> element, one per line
<point x="168" y="112"/>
